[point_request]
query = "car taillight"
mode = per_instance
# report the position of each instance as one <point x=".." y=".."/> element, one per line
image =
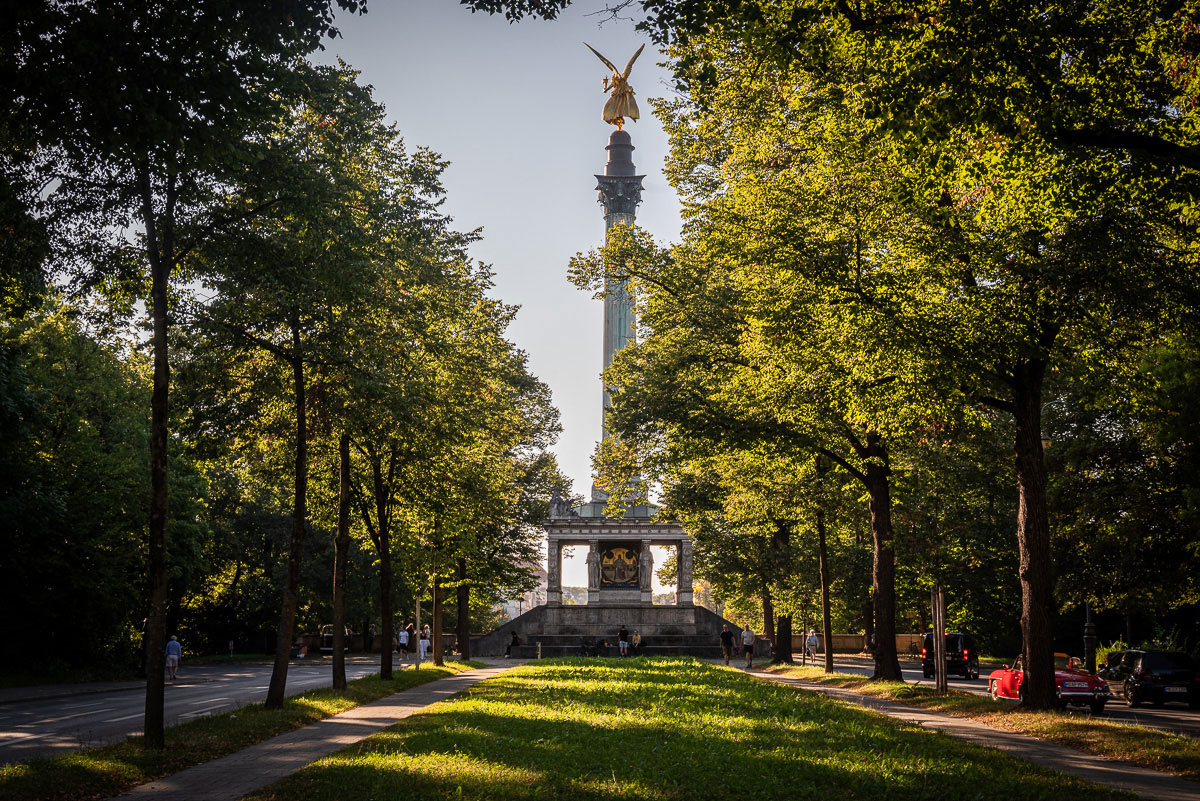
<point x="964" y="654"/>
<point x="1144" y="675"/>
<point x="924" y="653"/>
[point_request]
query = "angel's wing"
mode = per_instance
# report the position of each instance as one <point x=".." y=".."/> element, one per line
<point x="629" y="66"/>
<point x="602" y="58"/>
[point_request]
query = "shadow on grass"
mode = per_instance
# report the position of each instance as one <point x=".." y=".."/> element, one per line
<point x="661" y="729"/>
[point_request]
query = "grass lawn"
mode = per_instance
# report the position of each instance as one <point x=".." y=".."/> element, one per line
<point x="651" y="728"/>
<point x="1143" y="746"/>
<point x="103" y="772"/>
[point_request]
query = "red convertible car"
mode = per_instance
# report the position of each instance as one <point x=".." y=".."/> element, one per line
<point x="1075" y="685"/>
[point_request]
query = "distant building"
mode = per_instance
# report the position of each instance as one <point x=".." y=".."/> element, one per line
<point x="516" y="607"/>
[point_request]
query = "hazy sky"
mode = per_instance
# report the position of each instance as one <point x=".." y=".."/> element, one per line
<point x="515" y="109"/>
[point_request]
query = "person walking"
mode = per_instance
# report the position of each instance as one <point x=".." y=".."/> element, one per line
<point x="623" y="640"/>
<point x="174" y="653"/>
<point x="811" y="644"/>
<point x="726" y="643"/>
<point x="514" y="642"/>
<point x="748" y="645"/>
<point x="402" y="645"/>
<point x="423" y="644"/>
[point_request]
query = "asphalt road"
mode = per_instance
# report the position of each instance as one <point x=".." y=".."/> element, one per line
<point x="102" y="714"/>
<point x="1175" y="718"/>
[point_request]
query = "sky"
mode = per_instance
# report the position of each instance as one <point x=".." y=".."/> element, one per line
<point x="515" y="110"/>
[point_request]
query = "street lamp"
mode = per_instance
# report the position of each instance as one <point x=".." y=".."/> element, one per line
<point x="1089" y="638"/>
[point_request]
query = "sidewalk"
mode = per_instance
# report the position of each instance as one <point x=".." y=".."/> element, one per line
<point x="1143" y="782"/>
<point x="234" y="776"/>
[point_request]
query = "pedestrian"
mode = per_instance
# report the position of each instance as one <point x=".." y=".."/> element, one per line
<point x="174" y="652"/>
<point x="748" y="645"/>
<point x="513" y="643"/>
<point x="811" y="644"/>
<point x="370" y="638"/>
<point x="423" y="644"/>
<point x="402" y="645"/>
<point x="726" y="643"/>
<point x="635" y="642"/>
<point x="623" y="641"/>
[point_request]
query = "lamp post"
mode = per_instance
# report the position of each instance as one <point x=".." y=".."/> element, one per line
<point x="1089" y="639"/>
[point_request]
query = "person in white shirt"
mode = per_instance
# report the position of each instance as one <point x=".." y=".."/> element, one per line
<point x="748" y="644"/>
<point x="812" y="643"/>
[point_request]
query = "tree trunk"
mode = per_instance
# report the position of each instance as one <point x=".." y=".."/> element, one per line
<point x="161" y="260"/>
<point x="868" y="621"/>
<point x="437" y="622"/>
<point x="1033" y="536"/>
<point x="783" y="641"/>
<point x="883" y="574"/>
<point x="823" y="569"/>
<point x="463" y="630"/>
<point x="291" y="592"/>
<point x="384" y="527"/>
<point x="768" y="610"/>
<point x="341" y="548"/>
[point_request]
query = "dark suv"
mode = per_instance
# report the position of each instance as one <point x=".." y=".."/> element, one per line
<point x="1155" y="676"/>
<point x="961" y="656"/>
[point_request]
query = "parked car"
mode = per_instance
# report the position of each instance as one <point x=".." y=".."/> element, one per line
<point x="961" y="656"/>
<point x="327" y="638"/>
<point x="1156" y="676"/>
<point x="1074" y="684"/>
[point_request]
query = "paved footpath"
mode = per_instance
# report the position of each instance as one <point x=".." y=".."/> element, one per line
<point x="234" y="776"/>
<point x="1143" y="782"/>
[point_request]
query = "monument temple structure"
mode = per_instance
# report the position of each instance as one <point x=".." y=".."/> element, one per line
<point x="620" y="561"/>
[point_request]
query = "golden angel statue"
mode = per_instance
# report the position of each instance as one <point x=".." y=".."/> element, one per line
<point x="621" y="104"/>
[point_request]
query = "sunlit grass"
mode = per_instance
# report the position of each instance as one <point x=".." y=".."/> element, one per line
<point x="1141" y="745"/>
<point x="661" y="729"/>
<point x="103" y="772"/>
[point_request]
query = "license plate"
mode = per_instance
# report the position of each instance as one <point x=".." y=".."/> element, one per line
<point x="1075" y="684"/>
<point x="1176" y="689"/>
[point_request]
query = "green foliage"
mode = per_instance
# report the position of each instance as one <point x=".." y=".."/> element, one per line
<point x="74" y="472"/>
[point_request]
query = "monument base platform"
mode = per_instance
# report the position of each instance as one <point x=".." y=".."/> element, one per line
<point x="566" y="630"/>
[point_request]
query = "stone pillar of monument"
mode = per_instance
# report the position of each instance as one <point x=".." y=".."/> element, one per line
<point x="683" y="592"/>
<point x="553" y="572"/>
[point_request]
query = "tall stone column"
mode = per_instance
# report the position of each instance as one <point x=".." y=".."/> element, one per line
<point x="620" y="191"/>
<point x="683" y="593"/>
<point x="553" y="571"/>
<point x="593" y="564"/>
<point x="646" y="574"/>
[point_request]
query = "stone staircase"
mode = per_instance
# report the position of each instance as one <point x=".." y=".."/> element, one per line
<point x="564" y="630"/>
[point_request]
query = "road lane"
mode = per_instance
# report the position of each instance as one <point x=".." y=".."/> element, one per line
<point x="49" y="726"/>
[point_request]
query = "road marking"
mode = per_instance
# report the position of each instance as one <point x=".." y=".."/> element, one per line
<point x="13" y="736"/>
<point x="81" y="706"/>
<point x="68" y="717"/>
<point x="127" y="717"/>
<point x="200" y="712"/>
<point x="207" y="701"/>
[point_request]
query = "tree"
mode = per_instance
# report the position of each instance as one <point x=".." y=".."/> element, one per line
<point x="290" y="279"/>
<point x="1049" y="152"/>
<point x="138" y="131"/>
